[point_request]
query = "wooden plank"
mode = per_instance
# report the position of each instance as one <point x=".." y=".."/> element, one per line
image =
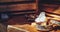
<point x="8" y="2"/>
<point x="53" y="11"/>
<point x="18" y="7"/>
<point x="14" y="0"/>
<point x="21" y="7"/>
<point x="56" y="17"/>
<point x="50" y="5"/>
<point x="23" y="13"/>
<point x="18" y="2"/>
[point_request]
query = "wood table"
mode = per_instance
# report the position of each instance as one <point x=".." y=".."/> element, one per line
<point x="26" y="27"/>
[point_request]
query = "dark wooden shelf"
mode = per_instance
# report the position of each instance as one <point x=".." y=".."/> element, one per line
<point x="49" y="2"/>
<point x="17" y="2"/>
<point x="12" y="13"/>
<point x="19" y="11"/>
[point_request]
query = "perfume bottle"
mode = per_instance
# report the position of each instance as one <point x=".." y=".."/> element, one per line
<point x="41" y="18"/>
<point x="41" y="21"/>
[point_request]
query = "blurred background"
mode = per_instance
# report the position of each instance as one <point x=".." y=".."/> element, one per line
<point x="26" y="11"/>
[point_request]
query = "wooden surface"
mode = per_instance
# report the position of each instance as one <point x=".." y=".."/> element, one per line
<point x="29" y="28"/>
<point x="18" y="7"/>
<point x="26" y="27"/>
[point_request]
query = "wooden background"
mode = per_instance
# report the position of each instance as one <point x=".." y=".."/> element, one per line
<point x="23" y="8"/>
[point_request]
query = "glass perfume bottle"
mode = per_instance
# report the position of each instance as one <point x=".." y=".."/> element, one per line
<point x="41" y="21"/>
<point x="41" y="18"/>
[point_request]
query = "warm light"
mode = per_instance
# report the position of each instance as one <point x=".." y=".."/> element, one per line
<point x="10" y="26"/>
<point x="57" y="11"/>
<point x="33" y="24"/>
<point x="55" y="17"/>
